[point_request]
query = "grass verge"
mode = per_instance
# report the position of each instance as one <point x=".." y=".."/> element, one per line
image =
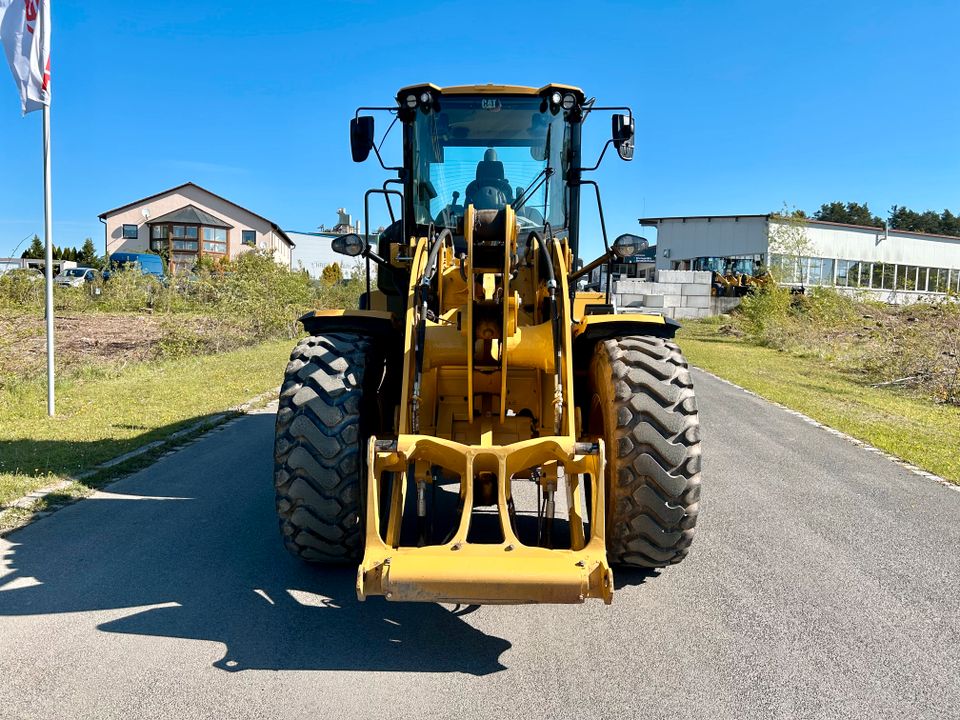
<point x="899" y="422"/>
<point x="106" y="410"/>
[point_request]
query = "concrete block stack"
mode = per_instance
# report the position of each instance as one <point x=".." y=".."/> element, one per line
<point x="680" y="294"/>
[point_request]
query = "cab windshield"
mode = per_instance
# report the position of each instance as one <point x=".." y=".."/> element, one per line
<point x="713" y="264"/>
<point x="490" y="151"/>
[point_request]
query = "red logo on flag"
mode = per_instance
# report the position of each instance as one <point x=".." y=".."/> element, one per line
<point x="31" y="7"/>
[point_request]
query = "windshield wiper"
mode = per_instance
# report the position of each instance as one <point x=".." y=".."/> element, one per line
<point x="543" y="176"/>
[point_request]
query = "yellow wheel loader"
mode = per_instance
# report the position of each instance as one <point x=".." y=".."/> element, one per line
<point x="477" y="431"/>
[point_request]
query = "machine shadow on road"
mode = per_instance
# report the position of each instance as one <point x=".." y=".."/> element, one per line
<point x="197" y="534"/>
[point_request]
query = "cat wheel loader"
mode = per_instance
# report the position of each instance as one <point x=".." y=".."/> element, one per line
<point x="478" y="431"/>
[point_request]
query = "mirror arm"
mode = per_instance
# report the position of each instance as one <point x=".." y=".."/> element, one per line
<point x="374" y="109"/>
<point x="368" y="253"/>
<point x="611" y="108"/>
<point x="599" y="159"/>
<point x="373" y="146"/>
<point x="590" y="267"/>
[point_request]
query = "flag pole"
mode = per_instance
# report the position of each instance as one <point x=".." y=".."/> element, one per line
<point x="48" y="269"/>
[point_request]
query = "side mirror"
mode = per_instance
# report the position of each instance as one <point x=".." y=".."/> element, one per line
<point x="361" y="137"/>
<point x="350" y="244"/>
<point x="623" y="131"/>
<point x="627" y="245"/>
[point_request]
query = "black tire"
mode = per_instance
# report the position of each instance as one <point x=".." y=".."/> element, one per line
<point x="643" y="406"/>
<point x="327" y="405"/>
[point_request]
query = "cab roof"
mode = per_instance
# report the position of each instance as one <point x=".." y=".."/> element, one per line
<point x="491" y="89"/>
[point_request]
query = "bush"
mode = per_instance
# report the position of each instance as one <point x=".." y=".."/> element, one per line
<point x="18" y="290"/>
<point x="249" y="299"/>
<point x="914" y="346"/>
<point x="764" y="316"/>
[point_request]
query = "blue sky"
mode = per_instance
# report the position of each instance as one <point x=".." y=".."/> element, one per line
<point x="741" y="106"/>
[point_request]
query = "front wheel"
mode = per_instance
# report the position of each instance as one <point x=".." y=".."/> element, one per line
<point x="328" y="403"/>
<point x="643" y="406"/>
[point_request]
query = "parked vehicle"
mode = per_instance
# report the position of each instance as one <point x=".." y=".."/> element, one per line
<point x="75" y="277"/>
<point x="148" y="263"/>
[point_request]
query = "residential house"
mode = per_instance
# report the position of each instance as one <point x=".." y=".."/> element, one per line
<point x="188" y="222"/>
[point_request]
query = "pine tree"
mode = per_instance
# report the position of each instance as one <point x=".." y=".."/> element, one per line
<point x="850" y="213"/>
<point x="88" y="253"/>
<point x="36" y="249"/>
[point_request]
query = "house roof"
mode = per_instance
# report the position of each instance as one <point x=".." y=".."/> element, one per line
<point x="191" y="215"/>
<point x="652" y="222"/>
<point x="276" y="228"/>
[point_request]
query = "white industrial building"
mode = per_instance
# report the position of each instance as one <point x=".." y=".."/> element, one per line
<point x="892" y="265"/>
<point x="313" y="251"/>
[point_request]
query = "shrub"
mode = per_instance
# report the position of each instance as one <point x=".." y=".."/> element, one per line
<point x="914" y="346"/>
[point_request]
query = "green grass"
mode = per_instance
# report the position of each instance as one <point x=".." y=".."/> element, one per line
<point x="901" y="423"/>
<point x="107" y="410"/>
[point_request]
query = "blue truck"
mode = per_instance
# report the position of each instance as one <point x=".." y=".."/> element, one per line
<point x="148" y="263"/>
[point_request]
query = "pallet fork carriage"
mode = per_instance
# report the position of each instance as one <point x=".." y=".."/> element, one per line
<point x="410" y="430"/>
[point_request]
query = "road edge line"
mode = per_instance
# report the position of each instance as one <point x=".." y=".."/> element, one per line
<point x="833" y="431"/>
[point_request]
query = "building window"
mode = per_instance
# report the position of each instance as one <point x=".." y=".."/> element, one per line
<point x="249" y="237"/>
<point x="939" y="280"/>
<point x="827" y="271"/>
<point x="215" y="240"/>
<point x="184" y="237"/>
<point x="906" y="277"/>
<point x="158" y="237"/>
<point x="130" y="232"/>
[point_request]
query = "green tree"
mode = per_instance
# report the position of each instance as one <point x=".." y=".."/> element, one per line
<point x="789" y="240"/>
<point x="850" y="213"/>
<point x="88" y="253"/>
<point x="928" y="221"/>
<point x="949" y="223"/>
<point x="36" y="249"/>
<point x="331" y="274"/>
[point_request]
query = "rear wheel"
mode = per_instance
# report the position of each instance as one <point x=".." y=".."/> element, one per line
<point x="327" y="402"/>
<point x="643" y="406"/>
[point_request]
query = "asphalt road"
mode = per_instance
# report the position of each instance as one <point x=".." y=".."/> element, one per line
<point x="823" y="584"/>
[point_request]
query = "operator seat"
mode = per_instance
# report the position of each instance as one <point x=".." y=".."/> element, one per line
<point x="490" y="190"/>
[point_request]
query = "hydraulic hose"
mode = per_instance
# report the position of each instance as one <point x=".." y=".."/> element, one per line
<point x="554" y="325"/>
<point x="423" y="288"/>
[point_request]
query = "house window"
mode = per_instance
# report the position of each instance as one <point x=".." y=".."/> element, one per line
<point x="158" y="237"/>
<point x="184" y="237"/>
<point x="130" y="232"/>
<point x="215" y="240"/>
<point x="249" y="237"/>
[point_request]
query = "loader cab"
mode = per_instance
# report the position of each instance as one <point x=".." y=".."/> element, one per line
<point x="498" y="148"/>
<point x="489" y="148"/>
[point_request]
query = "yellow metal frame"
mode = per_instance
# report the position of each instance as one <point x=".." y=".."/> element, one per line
<point x="462" y="572"/>
<point x="463" y="431"/>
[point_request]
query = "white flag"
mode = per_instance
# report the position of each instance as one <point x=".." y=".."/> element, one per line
<point x="25" y="34"/>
